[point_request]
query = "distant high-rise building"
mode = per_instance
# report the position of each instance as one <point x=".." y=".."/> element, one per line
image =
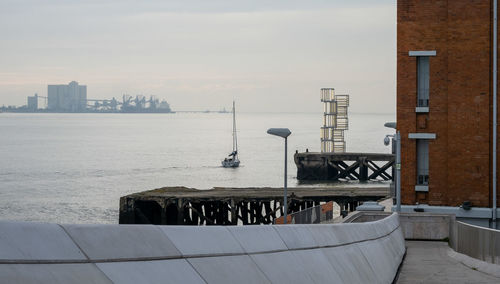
<point x="71" y="97"/>
<point x="33" y="102"/>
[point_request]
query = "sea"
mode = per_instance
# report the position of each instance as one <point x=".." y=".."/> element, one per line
<point x="73" y="168"/>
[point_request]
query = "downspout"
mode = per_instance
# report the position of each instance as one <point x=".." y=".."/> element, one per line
<point x="494" y="207"/>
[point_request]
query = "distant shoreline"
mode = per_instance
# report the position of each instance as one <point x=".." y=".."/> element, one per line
<point x="80" y="112"/>
<point x="185" y="111"/>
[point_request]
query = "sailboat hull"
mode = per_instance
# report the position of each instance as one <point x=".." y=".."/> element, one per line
<point x="230" y="164"/>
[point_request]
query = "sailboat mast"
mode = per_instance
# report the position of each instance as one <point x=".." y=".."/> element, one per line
<point x="235" y="139"/>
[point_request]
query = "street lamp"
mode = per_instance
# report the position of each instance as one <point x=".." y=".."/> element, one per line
<point x="397" y="138"/>
<point x="283" y="133"/>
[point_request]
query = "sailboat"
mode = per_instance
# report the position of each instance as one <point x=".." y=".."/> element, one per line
<point x="232" y="160"/>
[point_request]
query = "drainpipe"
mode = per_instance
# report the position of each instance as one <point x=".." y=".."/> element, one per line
<point x="398" y="172"/>
<point x="494" y="207"/>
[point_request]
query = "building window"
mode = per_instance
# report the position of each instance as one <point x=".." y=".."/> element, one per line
<point x="423" y="81"/>
<point x="422" y="162"/>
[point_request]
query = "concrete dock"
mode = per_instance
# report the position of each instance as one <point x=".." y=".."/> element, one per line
<point x="231" y="206"/>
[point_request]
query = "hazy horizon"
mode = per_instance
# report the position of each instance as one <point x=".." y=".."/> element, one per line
<point x="268" y="56"/>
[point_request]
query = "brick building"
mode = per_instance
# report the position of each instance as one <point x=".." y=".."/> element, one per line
<point x="444" y="104"/>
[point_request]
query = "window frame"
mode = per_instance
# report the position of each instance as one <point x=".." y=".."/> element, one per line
<point x="423" y="106"/>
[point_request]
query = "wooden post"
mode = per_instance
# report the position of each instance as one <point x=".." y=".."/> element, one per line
<point x="267" y="206"/>
<point x="244" y="212"/>
<point x="363" y="169"/>
<point x="180" y="211"/>
<point x="234" y="213"/>
<point x="252" y="212"/>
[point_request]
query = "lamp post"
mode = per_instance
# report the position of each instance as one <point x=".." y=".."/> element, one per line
<point x="397" y="138"/>
<point x="283" y="133"/>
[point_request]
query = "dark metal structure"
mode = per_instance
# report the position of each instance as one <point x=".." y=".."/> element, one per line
<point x="232" y="206"/>
<point x="350" y="166"/>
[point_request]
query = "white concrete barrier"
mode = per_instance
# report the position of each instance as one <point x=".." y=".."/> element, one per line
<point x="24" y="241"/>
<point x="282" y="267"/>
<point x="157" y="271"/>
<point x="337" y="253"/>
<point x="202" y="241"/>
<point x="353" y="267"/>
<point x="52" y="273"/>
<point x="228" y="269"/>
<point x="115" y="242"/>
<point x="251" y="238"/>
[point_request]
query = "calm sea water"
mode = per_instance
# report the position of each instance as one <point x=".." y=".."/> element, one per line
<point x="73" y="168"/>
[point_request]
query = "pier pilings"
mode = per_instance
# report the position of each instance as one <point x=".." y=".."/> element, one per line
<point x="232" y="206"/>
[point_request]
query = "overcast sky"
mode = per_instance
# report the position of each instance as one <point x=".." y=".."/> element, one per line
<point x="200" y="54"/>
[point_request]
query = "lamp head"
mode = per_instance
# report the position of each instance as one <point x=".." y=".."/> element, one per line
<point x="390" y="125"/>
<point x="281" y="132"/>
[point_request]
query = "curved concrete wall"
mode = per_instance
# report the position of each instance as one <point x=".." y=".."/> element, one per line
<point x="486" y="249"/>
<point x="340" y="253"/>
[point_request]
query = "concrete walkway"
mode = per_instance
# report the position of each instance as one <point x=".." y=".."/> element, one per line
<point x="430" y="262"/>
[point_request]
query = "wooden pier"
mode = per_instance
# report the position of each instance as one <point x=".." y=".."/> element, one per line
<point x="350" y="166"/>
<point x="232" y="206"/>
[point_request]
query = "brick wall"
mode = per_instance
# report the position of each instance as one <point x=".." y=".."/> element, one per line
<point x="459" y="99"/>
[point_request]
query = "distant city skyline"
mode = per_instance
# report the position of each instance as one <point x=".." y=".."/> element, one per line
<point x="70" y="97"/>
<point x="198" y="55"/>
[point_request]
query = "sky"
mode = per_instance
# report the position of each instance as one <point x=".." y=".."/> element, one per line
<point x="269" y="56"/>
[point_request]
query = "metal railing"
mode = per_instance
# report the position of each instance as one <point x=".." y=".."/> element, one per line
<point x="312" y="215"/>
<point x="478" y="242"/>
<point x="342" y="123"/>
<point x="342" y="100"/>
